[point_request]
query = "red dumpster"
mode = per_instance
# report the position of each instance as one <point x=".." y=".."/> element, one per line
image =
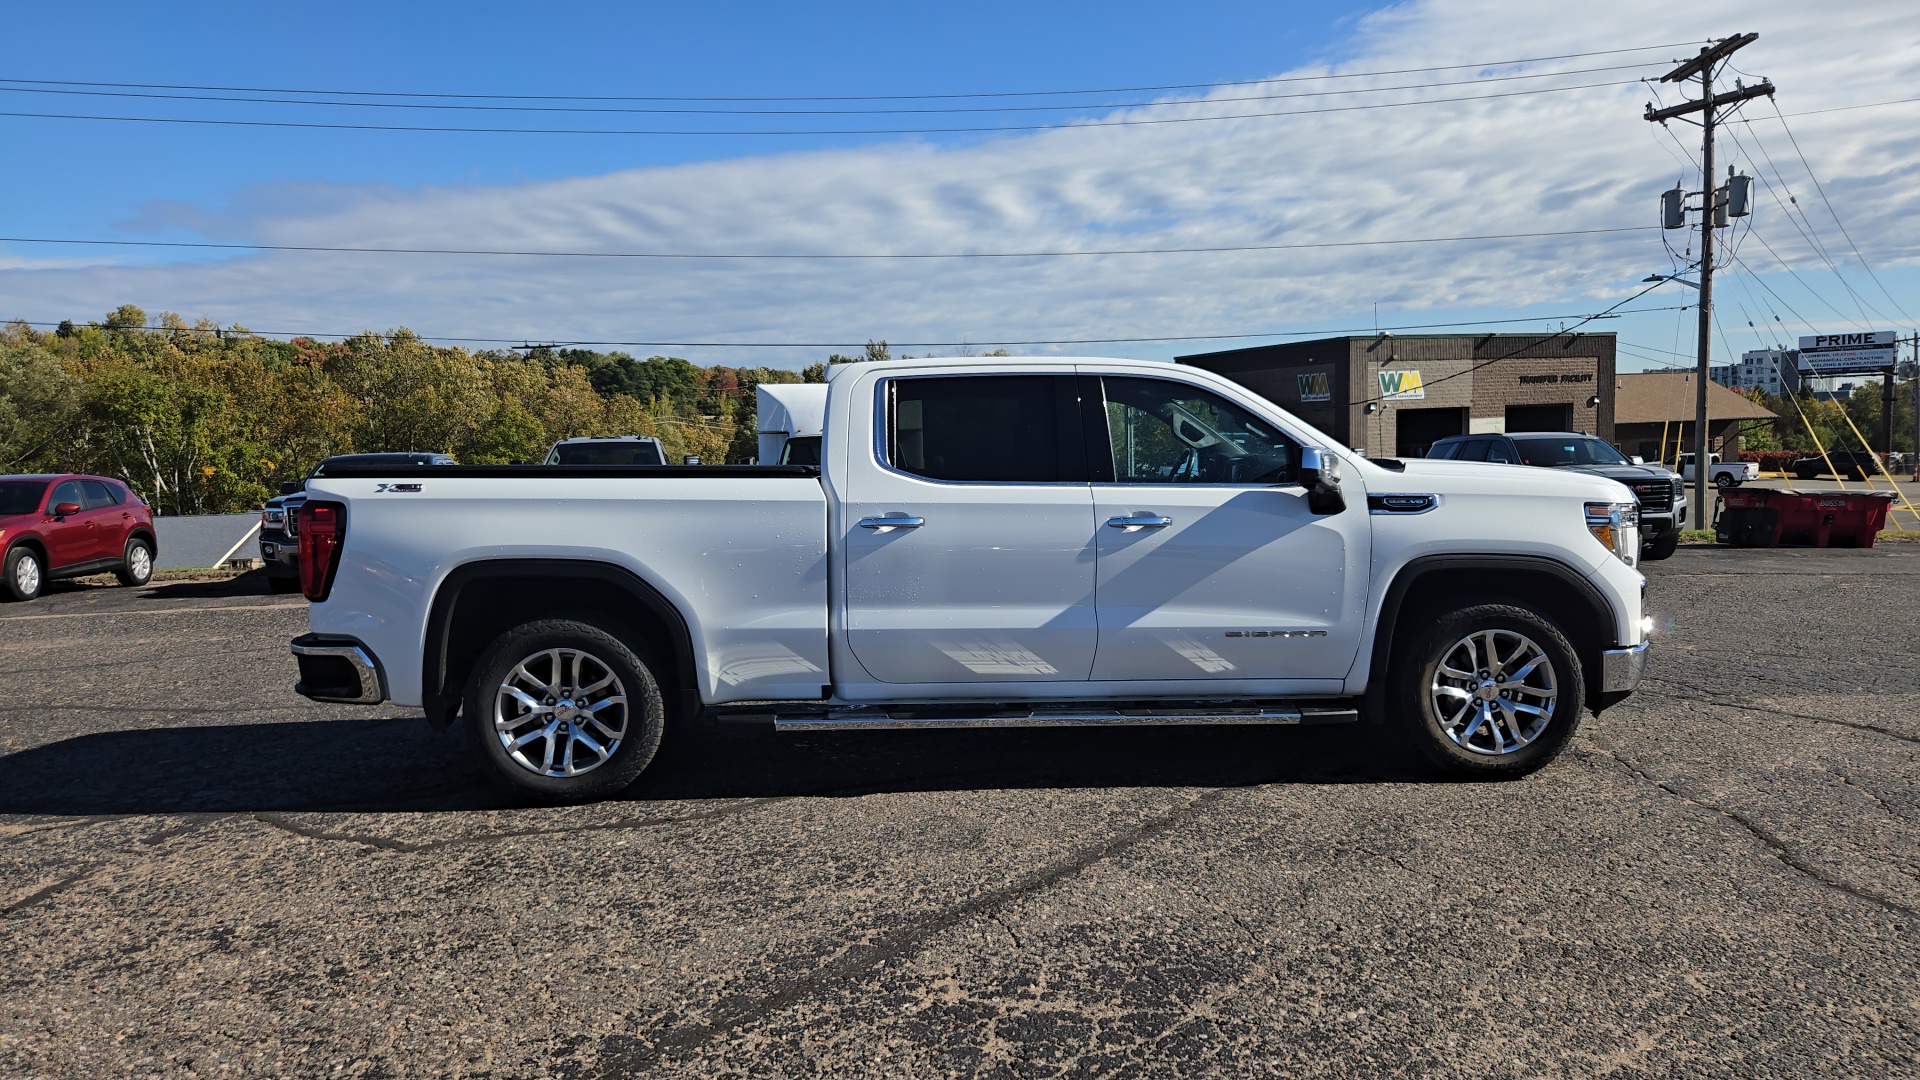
<point x="1851" y="519"/>
<point x="1762" y="517"/>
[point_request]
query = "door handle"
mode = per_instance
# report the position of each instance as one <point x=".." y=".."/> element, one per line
<point x="1139" y="521"/>
<point x="885" y="523"/>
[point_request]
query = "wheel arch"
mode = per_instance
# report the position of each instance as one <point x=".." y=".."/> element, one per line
<point x="144" y="532"/>
<point x="481" y="600"/>
<point x="37" y="545"/>
<point x="1433" y="583"/>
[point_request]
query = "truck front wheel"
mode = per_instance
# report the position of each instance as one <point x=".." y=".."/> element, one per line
<point x="563" y="710"/>
<point x="1490" y="692"/>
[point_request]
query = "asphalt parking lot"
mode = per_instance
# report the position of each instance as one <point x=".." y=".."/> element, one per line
<point x="203" y="874"/>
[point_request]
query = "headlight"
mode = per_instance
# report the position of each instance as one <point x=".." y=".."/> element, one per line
<point x="1617" y="525"/>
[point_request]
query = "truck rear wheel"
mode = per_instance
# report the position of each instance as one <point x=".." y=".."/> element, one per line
<point x="563" y="710"/>
<point x="1491" y="691"/>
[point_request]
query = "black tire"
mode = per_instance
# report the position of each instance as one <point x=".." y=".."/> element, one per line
<point x="1807" y="474"/>
<point x="1663" y="546"/>
<point x="136" y="562"/>
<point x="1725" y="481"/>
<point x="283" y="584"/>
<point x="23" y="582"/>
<point x="1416" y="677"/>
<point x="642" y="720"/>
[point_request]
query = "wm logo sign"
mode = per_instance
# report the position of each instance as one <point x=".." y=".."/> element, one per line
<point x="1316" y="387"/>
<point x="1402" y="386"/>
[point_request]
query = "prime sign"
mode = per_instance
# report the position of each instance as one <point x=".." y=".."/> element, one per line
<point x="1847" y="354"/>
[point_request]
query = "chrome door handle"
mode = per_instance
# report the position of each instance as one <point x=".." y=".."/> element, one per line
<point x="1139" y="521"/>
<point x="902" y="522"/>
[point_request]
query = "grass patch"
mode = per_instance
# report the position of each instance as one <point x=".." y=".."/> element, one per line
<point x="1696" y="536"/>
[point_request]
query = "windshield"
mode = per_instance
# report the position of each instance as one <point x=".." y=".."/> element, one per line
<point x="20" y="496"/>
<point x="607" y="453"/>
<point x="1568" y="451"/>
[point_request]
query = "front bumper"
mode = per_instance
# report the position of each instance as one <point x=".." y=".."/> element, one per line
<point x="338" y="669"/>
<point x="1620" y="669"/>
<point x="280" y="553"/>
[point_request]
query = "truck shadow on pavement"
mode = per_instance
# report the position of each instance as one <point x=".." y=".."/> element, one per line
<point x="403" y="765"/>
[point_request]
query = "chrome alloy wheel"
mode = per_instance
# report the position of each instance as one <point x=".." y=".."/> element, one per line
<point x="26" y="575"/>
<point x="560" y="713"/>
<point x="140" y="562"/>
<point x="1493" y="692"/>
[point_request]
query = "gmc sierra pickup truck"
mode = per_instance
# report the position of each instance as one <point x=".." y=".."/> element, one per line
<point x="987" y="542"/>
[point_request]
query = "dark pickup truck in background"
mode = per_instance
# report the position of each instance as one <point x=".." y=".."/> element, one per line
<point x="1660" y="493"/>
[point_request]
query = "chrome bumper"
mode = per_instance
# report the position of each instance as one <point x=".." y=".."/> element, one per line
<point x="324" y="678"/>
<point x="1620" y="669"/>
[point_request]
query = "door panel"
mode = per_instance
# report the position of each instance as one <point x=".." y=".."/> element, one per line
<point x="69" y="541"/>
<point x="1211" y="567"/>
<point x="106" y="520"/>
<point x="989" y="575"/>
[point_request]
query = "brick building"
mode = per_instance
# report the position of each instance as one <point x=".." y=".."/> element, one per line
<point x="1393" y="396"/>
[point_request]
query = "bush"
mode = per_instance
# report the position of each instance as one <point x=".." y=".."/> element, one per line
<point x="1773" y="460"/>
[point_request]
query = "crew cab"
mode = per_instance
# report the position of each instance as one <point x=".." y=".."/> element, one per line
<point x="278" y="539"/>
<point x="1660" y="496"/>
<point x="1723" y="475"/>
<point x="987" y="542"/>
<point x="65" y="525"/>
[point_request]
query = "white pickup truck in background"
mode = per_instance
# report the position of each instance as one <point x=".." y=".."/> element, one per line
<point x="1722" y="475"/>
<point x="984" y="542"/>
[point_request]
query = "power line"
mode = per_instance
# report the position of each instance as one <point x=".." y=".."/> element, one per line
<point x="973" y="129"/>
<point x="811" y="255"/>
<point x="855" y="97"/>
<point x="1808" y="233"/>
<point x="559" y="344"/>
<point x="1080" y="106"/>
<point x="1835" y="214"/>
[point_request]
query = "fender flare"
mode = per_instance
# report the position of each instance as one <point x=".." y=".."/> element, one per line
<point x="1409" y="575"/>
<point x="442" y="701"/>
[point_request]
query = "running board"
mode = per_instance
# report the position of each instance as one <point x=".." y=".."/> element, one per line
<point x="873" y="718"/>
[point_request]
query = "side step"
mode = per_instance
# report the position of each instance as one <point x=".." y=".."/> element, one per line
<point x="901" y="717"/>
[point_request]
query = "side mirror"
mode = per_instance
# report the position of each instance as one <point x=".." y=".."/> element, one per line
<point x="288" y="487"/>
<point x="1320" y="475"/>
<point x="1637" y="460"/>
<point x="61" y="510"/>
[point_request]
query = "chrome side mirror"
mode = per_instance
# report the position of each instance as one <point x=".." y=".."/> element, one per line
<point x="1320" y="475"/>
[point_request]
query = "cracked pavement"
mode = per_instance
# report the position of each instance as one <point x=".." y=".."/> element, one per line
<point x="202" y="874"/>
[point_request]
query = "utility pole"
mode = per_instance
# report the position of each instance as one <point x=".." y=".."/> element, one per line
<point x="1713" y="206"/>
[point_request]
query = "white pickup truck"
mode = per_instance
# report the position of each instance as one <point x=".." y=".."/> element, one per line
<point x="985" y="542"/>
<point x="1728" y="475"/>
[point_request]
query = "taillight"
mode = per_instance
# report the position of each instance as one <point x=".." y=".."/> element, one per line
<point x="323" y="530"/>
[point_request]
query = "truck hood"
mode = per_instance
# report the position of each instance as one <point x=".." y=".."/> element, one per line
<point x="1479" y="477"/>
<point x="1623" y="473"/>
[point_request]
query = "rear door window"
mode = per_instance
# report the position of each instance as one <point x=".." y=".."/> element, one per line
<point x="1020" y="429"/>
<point x="98" y="495"/>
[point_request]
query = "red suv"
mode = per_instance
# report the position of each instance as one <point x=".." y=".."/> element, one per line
<point x="63" y="525"/>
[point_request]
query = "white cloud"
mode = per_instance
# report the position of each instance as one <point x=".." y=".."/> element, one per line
<point x="1583" y="159"/>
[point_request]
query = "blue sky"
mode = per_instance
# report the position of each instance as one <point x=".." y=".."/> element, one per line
<point x="1559" y="162"/>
